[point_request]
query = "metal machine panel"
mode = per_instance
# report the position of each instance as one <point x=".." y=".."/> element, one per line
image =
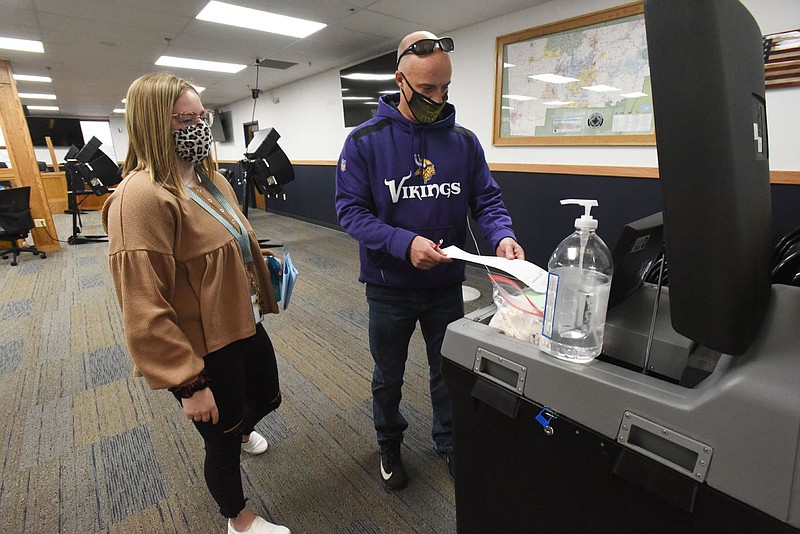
<point x="681" y="453"/>
<point x="747" y="410"/>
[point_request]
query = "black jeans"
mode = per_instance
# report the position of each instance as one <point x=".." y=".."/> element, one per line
<point x="244" y="381"/>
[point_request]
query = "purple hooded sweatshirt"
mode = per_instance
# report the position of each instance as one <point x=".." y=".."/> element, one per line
<point x="397" y="179"/>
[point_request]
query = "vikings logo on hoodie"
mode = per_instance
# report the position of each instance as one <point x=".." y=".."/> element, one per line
<point x="424" y="167"/>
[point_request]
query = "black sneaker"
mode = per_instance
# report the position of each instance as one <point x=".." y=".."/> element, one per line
<point x="393" y="475"/>
<point x="450" y="460"/>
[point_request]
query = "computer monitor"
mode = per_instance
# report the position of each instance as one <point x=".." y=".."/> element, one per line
<point x="637" y="252"/>
<point x="707" y="77"/>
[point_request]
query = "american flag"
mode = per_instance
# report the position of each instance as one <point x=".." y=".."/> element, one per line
<point x="782" y="59"/>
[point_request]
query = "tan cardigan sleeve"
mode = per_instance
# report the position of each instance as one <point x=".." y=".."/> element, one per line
<point x="141" y="231"/>
<point x="144" y="282"/>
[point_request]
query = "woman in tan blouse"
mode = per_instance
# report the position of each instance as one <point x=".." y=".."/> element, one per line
<point x="192" y="285"/>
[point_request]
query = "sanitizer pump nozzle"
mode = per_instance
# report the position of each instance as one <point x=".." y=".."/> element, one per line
<point x="585" y="221"/>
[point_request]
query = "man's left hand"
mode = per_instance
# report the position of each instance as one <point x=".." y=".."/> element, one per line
<point x="510" y="249"/>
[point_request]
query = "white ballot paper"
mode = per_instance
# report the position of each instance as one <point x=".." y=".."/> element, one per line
<point x="526" y="272"/>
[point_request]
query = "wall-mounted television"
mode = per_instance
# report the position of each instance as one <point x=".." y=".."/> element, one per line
<point x="62" y="131"/>
<point x="221" y="129"/>
<point x="363" y="84"/>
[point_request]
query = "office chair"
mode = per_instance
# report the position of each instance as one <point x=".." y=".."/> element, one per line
<point x="16" y="221"/>
<point x="786" y="259"/>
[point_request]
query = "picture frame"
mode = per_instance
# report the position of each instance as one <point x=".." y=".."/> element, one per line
<point x="580" y="81"/>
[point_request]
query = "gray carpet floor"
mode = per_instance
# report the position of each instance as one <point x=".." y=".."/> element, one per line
<point x="86" y="448"/>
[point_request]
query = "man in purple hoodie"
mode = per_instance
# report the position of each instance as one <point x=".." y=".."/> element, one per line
<point x="406" y="182"/>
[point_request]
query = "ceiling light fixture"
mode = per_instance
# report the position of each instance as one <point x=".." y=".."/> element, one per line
<point x="255" y="19"/>
<point x="118" y="110"/>
<point x="199" y="64"/>
<point x="363" y="76"/>
<point x="24" y="45"/>
<point x="38" y="96"/>
<point x="42" y="108"/>
<point x="31" y="78"/>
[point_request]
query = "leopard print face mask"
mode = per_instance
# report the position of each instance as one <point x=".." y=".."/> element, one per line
<point x="193" y="143"/>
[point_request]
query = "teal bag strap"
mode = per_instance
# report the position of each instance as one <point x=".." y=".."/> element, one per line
<point x="241" y="236"/>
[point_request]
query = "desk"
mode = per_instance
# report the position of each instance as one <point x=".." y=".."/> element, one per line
<point x="55" y="189"/>
<point x="54" y="184"/>
<point x="9" y="175"/>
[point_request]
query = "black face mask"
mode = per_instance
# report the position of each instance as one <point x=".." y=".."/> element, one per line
<point x="423" y="108"/>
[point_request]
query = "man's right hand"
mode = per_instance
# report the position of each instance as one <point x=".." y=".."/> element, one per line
<point x="425" y="254"/>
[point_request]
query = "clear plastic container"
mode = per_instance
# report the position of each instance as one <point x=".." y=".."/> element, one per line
<point x="578" y="286"/>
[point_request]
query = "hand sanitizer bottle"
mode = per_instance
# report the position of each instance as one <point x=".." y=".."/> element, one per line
<point x="578" y="285"/>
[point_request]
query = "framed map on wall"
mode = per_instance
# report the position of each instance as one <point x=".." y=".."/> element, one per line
<point x="581" y="81"/>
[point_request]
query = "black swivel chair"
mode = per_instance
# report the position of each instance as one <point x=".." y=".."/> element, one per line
<point x="16" y="221"/>
<point x="786" y="259"/>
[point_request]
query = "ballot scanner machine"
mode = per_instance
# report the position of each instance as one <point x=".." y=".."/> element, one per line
<point x="545" y="445"/>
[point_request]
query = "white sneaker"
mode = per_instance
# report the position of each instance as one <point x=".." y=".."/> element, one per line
<point x="260" y="526"/>
<point x="257" y="444"/>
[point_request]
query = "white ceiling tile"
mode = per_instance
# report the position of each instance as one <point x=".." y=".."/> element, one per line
<point x="11" y="17"/>
<point x="94" y="49"/>
<point x="424" y="14"/>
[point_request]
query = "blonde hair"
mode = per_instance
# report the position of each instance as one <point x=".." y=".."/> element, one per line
<point x="148" y="114"/>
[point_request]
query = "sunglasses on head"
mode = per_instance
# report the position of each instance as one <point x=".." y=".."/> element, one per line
<point x="423" y="47"/>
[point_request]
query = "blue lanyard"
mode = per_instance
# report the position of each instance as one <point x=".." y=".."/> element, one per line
<point x="241" y="236"/>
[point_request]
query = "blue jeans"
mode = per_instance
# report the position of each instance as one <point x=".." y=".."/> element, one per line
<point x="393" y="316"/>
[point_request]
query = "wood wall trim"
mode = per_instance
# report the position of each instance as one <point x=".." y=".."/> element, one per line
<point x="785" y="177"/>
<point x="776" y="177"/>
<point x="580" y="170"/>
